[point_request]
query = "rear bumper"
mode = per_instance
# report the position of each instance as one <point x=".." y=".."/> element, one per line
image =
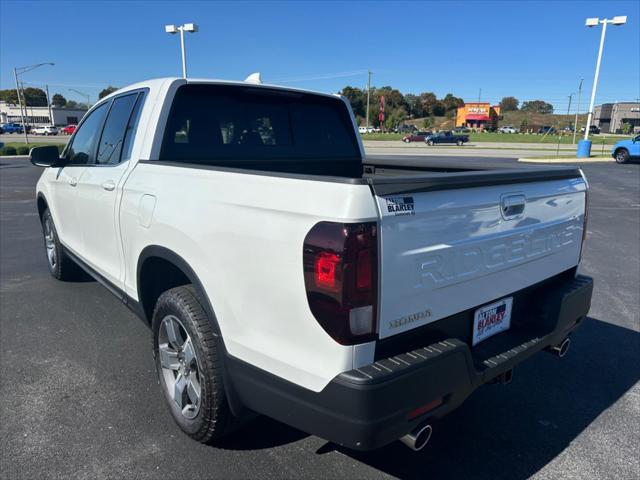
<point x="369" y="407"/>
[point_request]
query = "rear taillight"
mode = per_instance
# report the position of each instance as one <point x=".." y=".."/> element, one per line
<point x="340" y="274"/>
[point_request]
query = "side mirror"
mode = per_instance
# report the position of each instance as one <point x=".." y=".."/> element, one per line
<point x="46" y="156"/>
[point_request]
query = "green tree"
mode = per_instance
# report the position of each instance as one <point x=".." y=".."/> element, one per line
<point x="395" y="118"/>
<point x="537" y="106"/>
<point x="451" y="103"/>
<point x="428" y="101"/>
<point x="414" y="107"/>
<point x="9" y="96"/>
<point x="58" y="100"/>
<point x="357" y="98"/>
<point x="509" y="104"/>
<point x="626" y="128"/>
<point x="71" y="104"/>
<point x="438" y="109"/>
<point x="35" y="97"/>
<point x="103" y="93"/>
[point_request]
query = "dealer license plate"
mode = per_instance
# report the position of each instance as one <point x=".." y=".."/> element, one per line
<point x="491" y="320"/>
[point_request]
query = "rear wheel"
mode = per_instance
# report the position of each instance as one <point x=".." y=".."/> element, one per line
<point x="188" y="361"/>
<point x="622" y="155"/>
<point x="459" y="143"/>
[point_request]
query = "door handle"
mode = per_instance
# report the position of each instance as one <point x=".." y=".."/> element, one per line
<point x="109" y="185"/>
<point x="73" y="181"/>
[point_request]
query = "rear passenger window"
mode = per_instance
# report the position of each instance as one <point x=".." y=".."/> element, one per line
<point x="115" y="127"/>
<point x="130" y="134"/>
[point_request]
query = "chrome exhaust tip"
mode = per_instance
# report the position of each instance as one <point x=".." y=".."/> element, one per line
<point x="562" y="348"/>
<point x="417" y="439"/>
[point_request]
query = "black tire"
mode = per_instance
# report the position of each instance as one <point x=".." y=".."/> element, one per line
<point x="459" y="143"/>
<point x="213" y="418"/>
<point x="60" y="265"/>
<point x="406" y="140"/>
<point x="622" y="155"/>
<point x="430" y="143"/>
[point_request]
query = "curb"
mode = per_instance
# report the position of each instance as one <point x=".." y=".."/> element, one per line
<point x="566" y="160"/>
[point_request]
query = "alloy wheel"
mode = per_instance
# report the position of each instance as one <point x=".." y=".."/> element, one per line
<point x="180" y="368"/>
<point x="50" y="243"/>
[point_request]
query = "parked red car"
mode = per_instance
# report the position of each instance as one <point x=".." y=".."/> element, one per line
<point x="69" y="129"/>
<point x="415" y="137"/>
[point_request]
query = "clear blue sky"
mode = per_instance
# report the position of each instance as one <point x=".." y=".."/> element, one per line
<point x="526" y="49"/>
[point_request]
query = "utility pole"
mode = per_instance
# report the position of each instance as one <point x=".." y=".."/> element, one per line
<point x="560" y="133"/>
<point x="479" y="94"/>
<point x="46" y="89"/>
<point x="368" y="94"/>
<point x="575" y="125"/>
<point x="24" y="127"/>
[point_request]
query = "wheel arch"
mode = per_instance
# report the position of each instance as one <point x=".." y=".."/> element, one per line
<point x="155" y="260"/>
<point x="615" y="152"/>
<point x="42" y="203"/>
<point x="158" y="260"/>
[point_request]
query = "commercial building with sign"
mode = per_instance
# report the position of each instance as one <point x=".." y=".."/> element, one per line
<point x="610" y="117"/>
<point x="41" y="116"/>
<point x="478" y="115"/>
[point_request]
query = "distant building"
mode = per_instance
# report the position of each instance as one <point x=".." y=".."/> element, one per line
<point x="478" y="115"/>
<point x="37" y="116"/>
<point x="609" y="117"/>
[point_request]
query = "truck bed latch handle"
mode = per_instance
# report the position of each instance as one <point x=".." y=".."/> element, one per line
<point x="512" y="206"/>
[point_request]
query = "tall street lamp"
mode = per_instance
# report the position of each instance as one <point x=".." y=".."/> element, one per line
<point x="19" y="71"/>
<point x="187" y="27"/>
<point x="584" y="146"/>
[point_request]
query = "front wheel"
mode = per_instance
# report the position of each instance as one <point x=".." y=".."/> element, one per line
<point x="189" y="365"/>
<point x="622" y="156"/>
<point x="430" y="143"/>
<point x="406" y="140"/>
<point x="60" y="265"/>
<point x="459" y="143"/>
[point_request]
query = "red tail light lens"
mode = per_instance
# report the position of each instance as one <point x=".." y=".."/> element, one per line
<point x="364" y="271"/>
<point x="325" y="270"/>
<point x="340" y="272"/>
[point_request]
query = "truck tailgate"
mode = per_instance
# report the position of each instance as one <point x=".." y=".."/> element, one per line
<point x="450" y="242"/>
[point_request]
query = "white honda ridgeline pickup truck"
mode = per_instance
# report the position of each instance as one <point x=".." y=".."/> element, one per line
<point x="282" y="273"/>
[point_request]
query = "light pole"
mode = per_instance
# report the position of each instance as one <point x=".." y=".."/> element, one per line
<point x="187" y="27"/>
<point x="575" y="125"/>
<point x="19" y="71"/>
<point x="584" y="147"/>
<point x="368" y="92"/>
<point x="82" y="95"/>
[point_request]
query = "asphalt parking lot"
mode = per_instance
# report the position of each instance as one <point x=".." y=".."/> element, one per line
<point x="79" y="397"/>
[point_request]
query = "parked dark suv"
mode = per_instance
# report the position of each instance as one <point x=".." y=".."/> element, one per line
<point x="592" y="129"/>
<point x="546" y="130"/>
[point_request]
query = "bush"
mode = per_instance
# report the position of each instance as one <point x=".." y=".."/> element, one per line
<point x="8" y="150"/>
<point x="23" y="150"/>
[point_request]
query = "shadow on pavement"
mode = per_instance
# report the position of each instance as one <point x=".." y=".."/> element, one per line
<point x="503" y="431"/>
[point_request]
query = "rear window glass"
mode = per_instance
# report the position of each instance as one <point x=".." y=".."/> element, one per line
<point x="242" y="126"/>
